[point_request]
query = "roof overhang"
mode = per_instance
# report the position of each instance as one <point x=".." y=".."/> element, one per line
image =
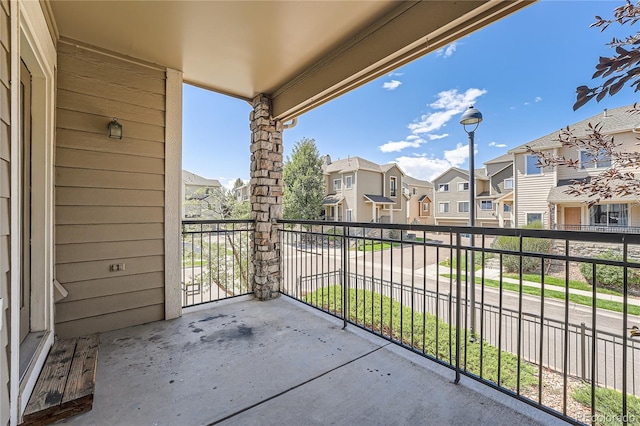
<point x="301" y="53"/>
<point x="377" y="199"/>
<point x="332" y="200"/>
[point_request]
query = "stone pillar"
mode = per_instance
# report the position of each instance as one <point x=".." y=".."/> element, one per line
<point x="266" y="198"/>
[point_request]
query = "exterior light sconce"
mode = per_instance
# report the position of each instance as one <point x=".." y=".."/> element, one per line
<point x="115" y="129"/>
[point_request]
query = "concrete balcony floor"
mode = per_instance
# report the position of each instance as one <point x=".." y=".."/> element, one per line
<point x="246" y="362"/>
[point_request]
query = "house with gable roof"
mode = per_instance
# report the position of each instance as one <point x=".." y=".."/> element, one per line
<point x="359" y="190"/>
<point x="541" y="193"/>
<point x="493" y="195"/>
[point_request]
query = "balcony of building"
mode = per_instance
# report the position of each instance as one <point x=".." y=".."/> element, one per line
<point x="527" y="325"/>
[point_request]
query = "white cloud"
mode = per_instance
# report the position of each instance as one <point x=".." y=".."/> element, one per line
<point x="391" y="85"/>
<point x="395" y="74"/>
<point x="497" y="145"/>
<point x="537" y="99"/>
<point x="423" y="167"/>
<point x="436" y="137"/>
<point x="447" y="51"/>
<point x="458" y="155"/>
<point x="228" y="182"/>
<point x="411" y="141"/>
<point x="452" y="102"/>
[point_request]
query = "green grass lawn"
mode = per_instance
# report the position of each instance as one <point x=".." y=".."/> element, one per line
<point x="381" y="314"/>
<point x="371" y="246"/>
<point x="189" y="263"/>
<point x="609" y="405"/>
<point x="453" y="262"/>
<point x="554" y="294"/>
<point x="578" y="285"/>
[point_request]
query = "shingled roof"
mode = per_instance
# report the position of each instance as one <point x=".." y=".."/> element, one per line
<point x="613" y="121"/>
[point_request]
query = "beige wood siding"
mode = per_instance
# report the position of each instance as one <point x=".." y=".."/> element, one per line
<point x="109" y="192"/>
<point x="368" y="183"/>
<point x="5" y="186"/>
<point x="532" y="192"/>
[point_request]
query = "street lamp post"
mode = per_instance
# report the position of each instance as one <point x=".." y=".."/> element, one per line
<point x="472" y="118"/>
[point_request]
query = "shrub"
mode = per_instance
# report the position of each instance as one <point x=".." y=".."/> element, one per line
<point x="511" y="263"/>
<point x="611" y="276"/>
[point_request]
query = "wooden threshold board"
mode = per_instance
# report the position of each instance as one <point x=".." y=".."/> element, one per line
<point x="66" y="383"/>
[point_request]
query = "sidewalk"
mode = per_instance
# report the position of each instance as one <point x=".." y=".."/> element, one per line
<point x="494" y="274"/>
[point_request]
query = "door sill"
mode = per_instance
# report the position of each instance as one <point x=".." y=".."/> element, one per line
<point x="28" y="350"/>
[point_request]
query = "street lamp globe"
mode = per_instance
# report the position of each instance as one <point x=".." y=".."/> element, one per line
<point x="470" y="117"/>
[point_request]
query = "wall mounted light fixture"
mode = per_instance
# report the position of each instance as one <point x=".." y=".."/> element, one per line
<point x="115" y="129"/>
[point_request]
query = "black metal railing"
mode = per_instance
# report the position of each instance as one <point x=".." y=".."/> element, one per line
<point x="540" y="333"/>
<point x="216" y="260"/>
<point x="599" y="228"/>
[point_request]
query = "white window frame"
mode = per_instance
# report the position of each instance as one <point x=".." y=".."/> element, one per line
<point x="510" y="185"/>
<point x="415" y="191"/>
<point x="348" y="182"/>
<point x="526" y="166"/>
<point x="486" y="201"/>
<point x="441" y="206"/>
<point x="348" y="215"/>
<point x="463" y="186"/>
<point x="506" y="208"/>
<point x="526" y="217"/>
<point x="462" y="203"/>
<point x="425" y="207"/>
<point x="443" y="187"/>
<point x="594" y="163"/>
<point x="393" y="186"/>
<point x="337" y="184"/>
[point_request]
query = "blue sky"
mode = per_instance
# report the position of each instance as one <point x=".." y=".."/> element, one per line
<point x="520" y="72"/>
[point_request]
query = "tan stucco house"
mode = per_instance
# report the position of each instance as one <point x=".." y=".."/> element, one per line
<point x="68" y="68"/>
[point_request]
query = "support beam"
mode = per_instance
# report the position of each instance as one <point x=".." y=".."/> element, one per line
<point x="266" y="198"/>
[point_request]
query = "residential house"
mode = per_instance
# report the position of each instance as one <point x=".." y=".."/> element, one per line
<point x="68" y="68"/>
<point x="493" y="195"/>
<point x="200" y="196"/>
<point x="500" y="191"/>
<point x="451" y="196"/>
<point x="358" y="190"/>
<point x="541" y="193"/>
<point x="419" y="205"/>
<point x="243" y="193"/>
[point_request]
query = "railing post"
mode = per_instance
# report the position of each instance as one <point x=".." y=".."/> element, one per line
<point x="345" y="277"/>
<point x="583" y="350"/>
<point x="458" y="319"/>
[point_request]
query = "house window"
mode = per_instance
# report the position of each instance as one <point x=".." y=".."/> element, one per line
<point x="393" y="185"/>
<point x="601" y="161"/>
<point x="486" y="205"/>
<point x="443" y="207"/>
<point x="415" y="191"/>
<point x="463" y="207"/>
<point x="534" y="217"/>
<point x="349" y="218"/>
<point x="463" y="186"/>
<point x="531" y="167"/>
<point x="609" y="214"/>
<point x="506" y="208"/>
<point x="337" y="184"/>
<point x="425" y="207"/>
<point x="508" y="183"/>
<point x="347" y="182"/>
<point x="443" y="187"/>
